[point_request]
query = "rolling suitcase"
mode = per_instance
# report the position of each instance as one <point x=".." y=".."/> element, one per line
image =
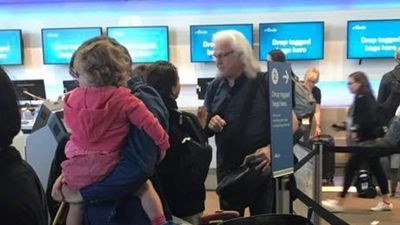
<point x="328" y="157"/>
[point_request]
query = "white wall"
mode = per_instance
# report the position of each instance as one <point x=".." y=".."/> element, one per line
<point x="31" y="19"/>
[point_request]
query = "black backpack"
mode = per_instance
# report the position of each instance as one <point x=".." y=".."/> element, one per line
<point x="304" y="99"/>
<point x="365" y="186"/>
<point x="196" y="152"/>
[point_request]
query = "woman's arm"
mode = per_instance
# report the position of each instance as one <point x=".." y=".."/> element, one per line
<point x="295" y="122"/>
<point x="317" y="116"/>
<point x="142" y="118"/>
<point x="365" y="118"/>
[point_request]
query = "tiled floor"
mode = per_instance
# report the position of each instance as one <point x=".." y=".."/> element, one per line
<point x="357" y="210"/>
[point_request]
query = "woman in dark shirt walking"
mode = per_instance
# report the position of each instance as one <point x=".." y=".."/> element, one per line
<point x="363" y="124"/>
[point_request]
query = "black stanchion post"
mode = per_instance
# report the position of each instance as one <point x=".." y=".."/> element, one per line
<point x="309" y="214"/>
<point x="318" y="146"/>
<point x="282" y="196"/>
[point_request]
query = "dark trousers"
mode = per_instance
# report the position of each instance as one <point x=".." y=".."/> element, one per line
<point x="262" y="204"/>
<point x="375" y="166"/>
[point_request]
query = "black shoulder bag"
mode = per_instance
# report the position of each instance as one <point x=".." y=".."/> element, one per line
<point x="238" y="187"/>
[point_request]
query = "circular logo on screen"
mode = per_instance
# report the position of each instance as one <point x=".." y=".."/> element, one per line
<point x="275" y="76"/>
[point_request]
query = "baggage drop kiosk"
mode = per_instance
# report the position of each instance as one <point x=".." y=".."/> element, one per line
<point x="280" y="103"/>
<point x="48" y="130"/>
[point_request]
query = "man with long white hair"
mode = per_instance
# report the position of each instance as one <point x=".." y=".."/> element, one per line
<point x="238" y="109"/>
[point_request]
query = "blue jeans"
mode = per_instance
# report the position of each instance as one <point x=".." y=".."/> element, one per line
<point x="127" y="212"/>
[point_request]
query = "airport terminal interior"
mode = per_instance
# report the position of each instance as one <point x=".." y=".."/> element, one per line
<point x="337" y="37"/>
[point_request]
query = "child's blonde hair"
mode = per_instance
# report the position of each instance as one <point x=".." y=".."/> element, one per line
<point x="312" y="75"/>
<point x="101" y="61"/>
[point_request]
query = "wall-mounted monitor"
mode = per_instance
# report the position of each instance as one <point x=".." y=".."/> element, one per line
<point x="59" y="44"/>
<point x="29" y="89"/>
<point x="145" y="44"/>
<point x="298" y="40"/>
<point x="202" y="84"/>
<point x="368" y="39"/>
<point x="201" y="45"/>
<point x="70" y="85"/>
<point x="11" y="47"/>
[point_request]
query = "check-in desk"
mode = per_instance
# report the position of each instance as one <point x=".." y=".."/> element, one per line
<point x="41" y="144"/>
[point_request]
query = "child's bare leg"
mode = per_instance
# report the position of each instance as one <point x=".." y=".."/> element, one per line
<point x="151" y="203"/>
<point x="75" y="214"/>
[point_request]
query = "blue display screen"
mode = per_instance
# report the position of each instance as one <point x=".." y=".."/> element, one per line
<point x="372" y="38"/>
<point x="145" y="44"/>
<point x="60" y="43"/>
<point x="11" y="50"/>
<point x="299" y="41"/>
<point x="201" y="45"/>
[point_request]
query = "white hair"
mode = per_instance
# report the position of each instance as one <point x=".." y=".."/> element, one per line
<point x="239" y="44"/>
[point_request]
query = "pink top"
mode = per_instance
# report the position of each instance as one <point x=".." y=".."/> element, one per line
<point x="99" y="119"/>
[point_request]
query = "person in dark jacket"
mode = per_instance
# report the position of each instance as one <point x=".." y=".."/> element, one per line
<point x="110" y="201"/>
<point x="225" y="100"/>
<point x="388" y="101"/>
<point x="22" y="199"/>
<point x="184" y="200"/>
<point x="363" y="124"/>
<point x="390" y="83"/>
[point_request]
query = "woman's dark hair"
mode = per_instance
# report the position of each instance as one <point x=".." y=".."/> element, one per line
<point x="139" y="70"/>
<point x="277" y="55"/>
<point x="10" y="117"/>
<point x="163" y="76"/>
<point x="362" y="79"/>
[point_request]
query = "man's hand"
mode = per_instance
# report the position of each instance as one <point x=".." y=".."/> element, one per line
<point x="202" y="115"/>
<point x="216" y="124"/>
<point x="56" y="191"/>
<point x="261" y="158"/>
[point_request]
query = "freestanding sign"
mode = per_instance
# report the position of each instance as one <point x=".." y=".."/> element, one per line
<point x="280" y="100"/>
